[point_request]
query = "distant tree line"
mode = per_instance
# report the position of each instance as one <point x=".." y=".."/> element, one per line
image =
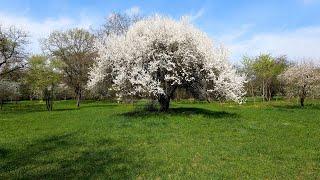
<point x="61" y="72"/>
<point x="269" y="76"/>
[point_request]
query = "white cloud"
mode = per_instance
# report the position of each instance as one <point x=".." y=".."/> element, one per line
<point x="195" y="16"/>
<point x="135" y="10"/>
<point x="41" y="29"/>
<point x="297" y="43"/>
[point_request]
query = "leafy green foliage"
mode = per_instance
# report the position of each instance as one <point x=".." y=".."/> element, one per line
<point x="43" y="77"/>
<point x="262" y="74"/>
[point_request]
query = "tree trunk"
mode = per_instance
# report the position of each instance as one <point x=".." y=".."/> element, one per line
<point x="252" y="92"/>
<point x="263" y="91"/>
<point x="48" y="95"/>
<point x="52" y="97"/>
<point x="49" y="103"/>
<point x="302" y="101"/>
<point x="78" y="98"/>
<point x="303" y="95"/>
<point x="269" y="93"/>
<point x="164" y="103"/>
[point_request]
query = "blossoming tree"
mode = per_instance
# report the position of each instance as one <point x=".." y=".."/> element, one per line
<point x="157" y="55"/>
<point x="8" y="90"/>
<point x="301" y="79"/>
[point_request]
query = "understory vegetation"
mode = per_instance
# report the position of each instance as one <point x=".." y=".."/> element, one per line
<point x="263" y="140"/>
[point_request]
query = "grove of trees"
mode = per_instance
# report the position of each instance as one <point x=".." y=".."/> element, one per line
<point x="262" y="73"/>
<point x="134" y="57"/>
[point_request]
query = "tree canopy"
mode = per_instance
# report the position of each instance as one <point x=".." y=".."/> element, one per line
<point x="157" y="55"/>
<point x="75" y="48"/>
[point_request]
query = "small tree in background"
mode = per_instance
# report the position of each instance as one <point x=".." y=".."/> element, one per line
<point x="8" y="90"/>
<point x="301" y="79"/>
<point x="117" y="23"/>
<point x="43" y="78"/>
<point x="75" y="48"/>
<point x="157" y="55"/>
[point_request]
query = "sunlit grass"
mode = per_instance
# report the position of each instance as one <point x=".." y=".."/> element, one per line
<point x="193" y="140"/>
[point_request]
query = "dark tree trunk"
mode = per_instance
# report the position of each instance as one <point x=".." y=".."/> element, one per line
<point x="51" y="97"/>
<point x="164" y="99"/>
<point x="49" y="103"/>
<point x="78" y="98"/>
<point x="303" y="95"/>
<point x="1" y="104"/>
<point x="48" y="95"/>
<point x="164" y="102"/>
<point x="263" y="91"/>
<point x="302" y="101"/>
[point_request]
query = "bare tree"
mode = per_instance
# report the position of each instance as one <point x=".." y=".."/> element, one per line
<point x="12" y="49"/>
<point x="75" y="48"/>
<point x="117" y="23"/>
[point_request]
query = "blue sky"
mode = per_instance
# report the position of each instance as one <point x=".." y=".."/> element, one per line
<point x="286" y="27"/>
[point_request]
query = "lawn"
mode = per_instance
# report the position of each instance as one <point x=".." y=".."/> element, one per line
<point x="193" y="140"/>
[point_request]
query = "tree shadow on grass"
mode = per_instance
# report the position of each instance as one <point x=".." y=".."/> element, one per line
<point x="4" y="152"/>
<point x="183" y="111"/>
<point x="31" y="108"/>
<point x="61" y="157"/>
<point x="23" y="108"/>
<point x="99" y="106"/>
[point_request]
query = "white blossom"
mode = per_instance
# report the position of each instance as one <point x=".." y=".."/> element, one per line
<point x="158" y="54"/>
<point x="8" y="89"/>
<point x="301" y="79"/>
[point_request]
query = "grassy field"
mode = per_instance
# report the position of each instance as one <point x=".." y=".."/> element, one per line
<point x="194" y="140"/>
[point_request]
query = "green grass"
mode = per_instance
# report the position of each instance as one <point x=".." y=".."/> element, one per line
<point x="193" y="140"/>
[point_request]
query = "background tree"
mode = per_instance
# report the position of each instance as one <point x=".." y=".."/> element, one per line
<point x="301" y="79"/>
<point x="43" y="77"/>
<point x="76" y="49"/>
<point x="247" y="69"/>
<point x="262" y="73"/>
<point x="117" y="23"/>
<point x="12" y="50"/>
<point x="157" y="55"/>
<point x="8" y="90"/>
